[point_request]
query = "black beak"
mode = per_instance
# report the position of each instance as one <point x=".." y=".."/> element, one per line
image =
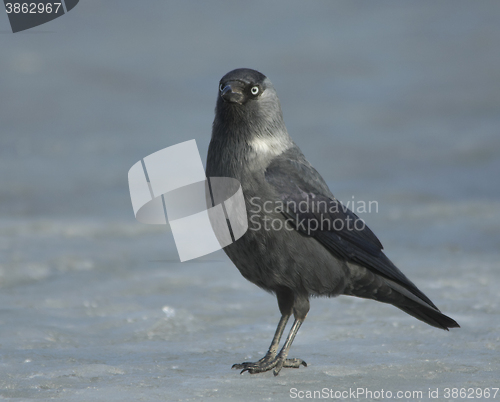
<point x="232" y="93"/>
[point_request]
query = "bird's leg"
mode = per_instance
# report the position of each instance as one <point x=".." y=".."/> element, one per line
<point x="271" y="360"/>
<point x="282" y="360"/>
<point x="273" y="349"/>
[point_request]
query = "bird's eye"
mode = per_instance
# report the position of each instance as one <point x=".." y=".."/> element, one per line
<point x="254" y="90"/>
<point x="221" y="87"/>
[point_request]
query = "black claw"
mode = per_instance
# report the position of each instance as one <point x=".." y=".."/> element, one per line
<point x="264" y="365"/>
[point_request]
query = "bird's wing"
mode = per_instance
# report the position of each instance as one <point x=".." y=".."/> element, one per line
<point x="312" y="210"/>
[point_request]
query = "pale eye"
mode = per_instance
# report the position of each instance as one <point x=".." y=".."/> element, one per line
<point x="254" y="90"/>
<point x="221" y="87"/>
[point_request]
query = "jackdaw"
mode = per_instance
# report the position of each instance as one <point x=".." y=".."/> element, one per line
<point x="301" y="240"/>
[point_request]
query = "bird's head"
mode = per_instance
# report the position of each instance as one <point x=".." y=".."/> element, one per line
<point x="242" y="86"/>
<point x="248" y="107"/>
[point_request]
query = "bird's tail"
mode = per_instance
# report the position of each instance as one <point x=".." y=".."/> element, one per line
<point x="430" y="316"/>
<point x="420" y="309"/>
<point x="415" y="303"/>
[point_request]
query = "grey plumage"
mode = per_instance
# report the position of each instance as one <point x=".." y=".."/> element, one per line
<point x="308" y="249"/>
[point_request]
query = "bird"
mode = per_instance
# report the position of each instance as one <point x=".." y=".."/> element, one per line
<point x="301" y="241"/>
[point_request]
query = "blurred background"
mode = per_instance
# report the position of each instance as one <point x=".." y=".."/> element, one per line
<point x="393" y="102"/>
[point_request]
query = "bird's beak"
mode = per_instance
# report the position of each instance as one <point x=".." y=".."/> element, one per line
<point x="232" y="93"/>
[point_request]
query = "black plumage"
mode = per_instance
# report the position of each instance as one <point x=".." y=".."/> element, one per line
<point x="301" y="241"/>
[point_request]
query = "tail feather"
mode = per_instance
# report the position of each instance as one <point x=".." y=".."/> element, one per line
<point x="420" y="309"/>
<point x="369" y="285"/>
<point x="430" y="316"/>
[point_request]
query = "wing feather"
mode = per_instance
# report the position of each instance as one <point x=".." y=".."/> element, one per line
<point x="313" y="211"/>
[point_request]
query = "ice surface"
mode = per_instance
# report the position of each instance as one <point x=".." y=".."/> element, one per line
<point x="392" y="102"/>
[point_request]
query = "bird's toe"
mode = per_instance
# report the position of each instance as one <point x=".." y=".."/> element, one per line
<point x="266" y="364"/>
<point x="294" y="363"/>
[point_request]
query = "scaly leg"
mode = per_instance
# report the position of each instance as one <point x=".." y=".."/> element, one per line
<point x="277" y="361"/>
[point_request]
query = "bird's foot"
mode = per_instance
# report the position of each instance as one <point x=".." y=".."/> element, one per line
<point x="269" y="362"/>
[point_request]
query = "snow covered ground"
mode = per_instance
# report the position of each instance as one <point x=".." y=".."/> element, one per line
<point x="392" y="102"/>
